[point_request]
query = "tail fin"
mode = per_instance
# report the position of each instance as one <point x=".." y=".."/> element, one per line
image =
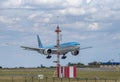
<point x="39" y="42"/>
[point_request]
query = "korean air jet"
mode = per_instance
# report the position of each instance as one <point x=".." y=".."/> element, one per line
<point x="64" y="48"/>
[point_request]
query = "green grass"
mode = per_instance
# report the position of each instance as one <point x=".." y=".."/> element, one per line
<point x="99" y="74"/>
<point x="20" y="75"/>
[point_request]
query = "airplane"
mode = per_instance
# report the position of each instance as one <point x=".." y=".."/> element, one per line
<point x="64" y="48"/>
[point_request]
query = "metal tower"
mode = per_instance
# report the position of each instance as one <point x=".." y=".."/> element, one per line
<point x="58" y="46"/>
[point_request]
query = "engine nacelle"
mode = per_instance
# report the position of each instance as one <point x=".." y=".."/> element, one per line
<point x="47" y="51"/>
<point x="75" y="52"/>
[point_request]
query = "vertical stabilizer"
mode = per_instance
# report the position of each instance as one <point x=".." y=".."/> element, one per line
<point x="39" y="42"/>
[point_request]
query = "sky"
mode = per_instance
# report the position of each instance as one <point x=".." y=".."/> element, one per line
<point x="93" y="23"/>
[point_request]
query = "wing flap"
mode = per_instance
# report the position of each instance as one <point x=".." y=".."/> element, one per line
<point x="40" y="50"/>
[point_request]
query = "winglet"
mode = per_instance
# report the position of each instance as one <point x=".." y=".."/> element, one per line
<point x="39" y="42"/>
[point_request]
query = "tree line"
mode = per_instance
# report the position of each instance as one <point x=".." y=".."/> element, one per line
<point x="91" y="64"/>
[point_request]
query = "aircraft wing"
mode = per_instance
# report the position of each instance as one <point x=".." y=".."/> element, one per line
<point x="30" y="48"/>
<point x="40" y="50"/>
<point x="85" y="48"/>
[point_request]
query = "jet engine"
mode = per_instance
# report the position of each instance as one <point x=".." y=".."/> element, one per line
<point x="47" y="51"/>
<point x="75" y="52"/>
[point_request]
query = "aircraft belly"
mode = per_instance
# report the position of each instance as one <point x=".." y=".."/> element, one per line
<point x="63" y="50"/>
<point x="68" y="49"/>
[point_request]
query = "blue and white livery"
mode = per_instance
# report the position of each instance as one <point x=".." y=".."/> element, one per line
<point x="64" y="48"/>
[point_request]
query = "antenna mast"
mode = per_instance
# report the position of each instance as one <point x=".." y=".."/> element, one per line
<point x="58" y="47"/>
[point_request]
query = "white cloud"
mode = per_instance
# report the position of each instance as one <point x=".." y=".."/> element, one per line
<point x="32" y="16"/>
<point x="73" y="11"/>
<point x="92" y="10"/>
<point x="88" y="1"/>
<point x="45" y="1"/>
<point x="116" y="36"/>
<point x="40" y="17"/>
<point x="55" y="3"/>
<point x="75" y="25"/>
<point x="72" y="3"/>
<point x="12" y="3"/>
<point x="2" y="19"/>
<point x="7" y="20"/>
<point x="46" y="20"/>
<point x="94" y="26"/>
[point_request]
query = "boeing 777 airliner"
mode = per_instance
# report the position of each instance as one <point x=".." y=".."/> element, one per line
<point x="64" y="48"/>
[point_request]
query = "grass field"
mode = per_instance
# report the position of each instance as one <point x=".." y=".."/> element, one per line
<point x="30" y="75"/>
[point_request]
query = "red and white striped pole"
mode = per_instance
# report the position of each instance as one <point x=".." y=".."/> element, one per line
<point x="70" y="71"/>
<point x="67" y="71"/>
<point x="58" y="51"/>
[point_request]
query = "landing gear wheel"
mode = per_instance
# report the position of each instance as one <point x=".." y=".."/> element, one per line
<point x="48" y="57"/>
<point x="63" y="57"/>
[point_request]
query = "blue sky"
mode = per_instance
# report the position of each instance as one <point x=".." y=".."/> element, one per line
<point x="91" y="22"/>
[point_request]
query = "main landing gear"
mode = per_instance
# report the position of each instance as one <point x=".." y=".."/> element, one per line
<point x="63" y="57"/>
<point x="48" y="57"/>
